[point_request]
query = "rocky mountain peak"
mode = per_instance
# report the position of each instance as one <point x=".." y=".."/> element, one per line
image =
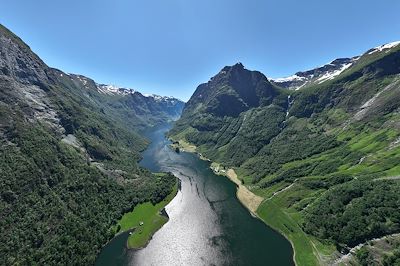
<point x="233" y="90"/>
<point x="238" y="65"/>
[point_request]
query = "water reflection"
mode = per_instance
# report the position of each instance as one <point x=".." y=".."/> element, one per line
<point x="208" y="225"/>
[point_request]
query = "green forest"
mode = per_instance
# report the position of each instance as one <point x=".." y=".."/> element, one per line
<point x="56" y="208"/>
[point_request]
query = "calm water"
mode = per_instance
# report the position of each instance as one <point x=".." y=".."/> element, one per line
<point x="207" y="226"/>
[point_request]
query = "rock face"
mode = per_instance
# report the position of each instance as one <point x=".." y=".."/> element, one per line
<point x="18" y="62"/>
<point x="24" y="80"/>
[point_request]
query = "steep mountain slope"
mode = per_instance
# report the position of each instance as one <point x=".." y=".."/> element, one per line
<point x="220" y="112"/>
<point x="68" y="160"/>
<point x="324" y="158"/>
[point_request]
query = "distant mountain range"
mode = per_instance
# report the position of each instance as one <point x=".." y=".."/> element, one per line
<point x="151" y="109"/>
<point x="321" y="147"/>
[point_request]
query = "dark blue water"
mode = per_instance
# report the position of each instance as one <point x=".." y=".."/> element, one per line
<point x="207" y="226"/>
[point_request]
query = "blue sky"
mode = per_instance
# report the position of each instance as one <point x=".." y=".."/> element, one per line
<point x="169" y="47"/>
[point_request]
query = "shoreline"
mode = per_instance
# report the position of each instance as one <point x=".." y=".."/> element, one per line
<point x="161" y="213"/>
<point x="247" y="198"/>
<point x="251" y="202"/>
<point x="231" y="174"/>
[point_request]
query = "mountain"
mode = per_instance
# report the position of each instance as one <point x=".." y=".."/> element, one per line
<point x="221" y="107"/>
<point x="142" y="110"/>
<point x="326" y="72"/>
<point x="316" y="75"/>
<point x="232" y="91"/>
<point x="68" y="159"/>
<point x="151" y="107"/>
<point x="324" y="158"/>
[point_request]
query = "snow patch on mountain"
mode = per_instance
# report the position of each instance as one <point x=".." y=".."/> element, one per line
<point x="317" y="75"/>
<point x="383" y="47"/>
<point x="159" y="98"/>
<point x="114" y="90"/>
<point x="328" y="71"/>
<point x="333" y="74"/>
<point x="287" y="79"/>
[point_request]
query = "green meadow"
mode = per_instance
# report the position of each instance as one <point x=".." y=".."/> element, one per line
<point x="146" y="219"/>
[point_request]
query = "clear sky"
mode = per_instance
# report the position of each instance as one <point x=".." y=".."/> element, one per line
<point x="168" y="47"/>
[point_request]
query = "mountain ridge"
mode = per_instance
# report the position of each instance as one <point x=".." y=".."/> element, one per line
<point x="325" y="72"/>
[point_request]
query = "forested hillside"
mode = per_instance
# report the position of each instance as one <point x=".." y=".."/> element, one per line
<point x="68" y="160"/>
<point x="324" y="157"/>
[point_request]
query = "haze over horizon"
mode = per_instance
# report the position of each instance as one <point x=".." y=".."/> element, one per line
<point x="171" y="49"/>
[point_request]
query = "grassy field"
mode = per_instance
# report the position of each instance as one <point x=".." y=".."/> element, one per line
<point x="181" y="143"/>
<point x="149" y="214"/>
<point x="275" y="213"/>
<point x="184" y="146"/>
